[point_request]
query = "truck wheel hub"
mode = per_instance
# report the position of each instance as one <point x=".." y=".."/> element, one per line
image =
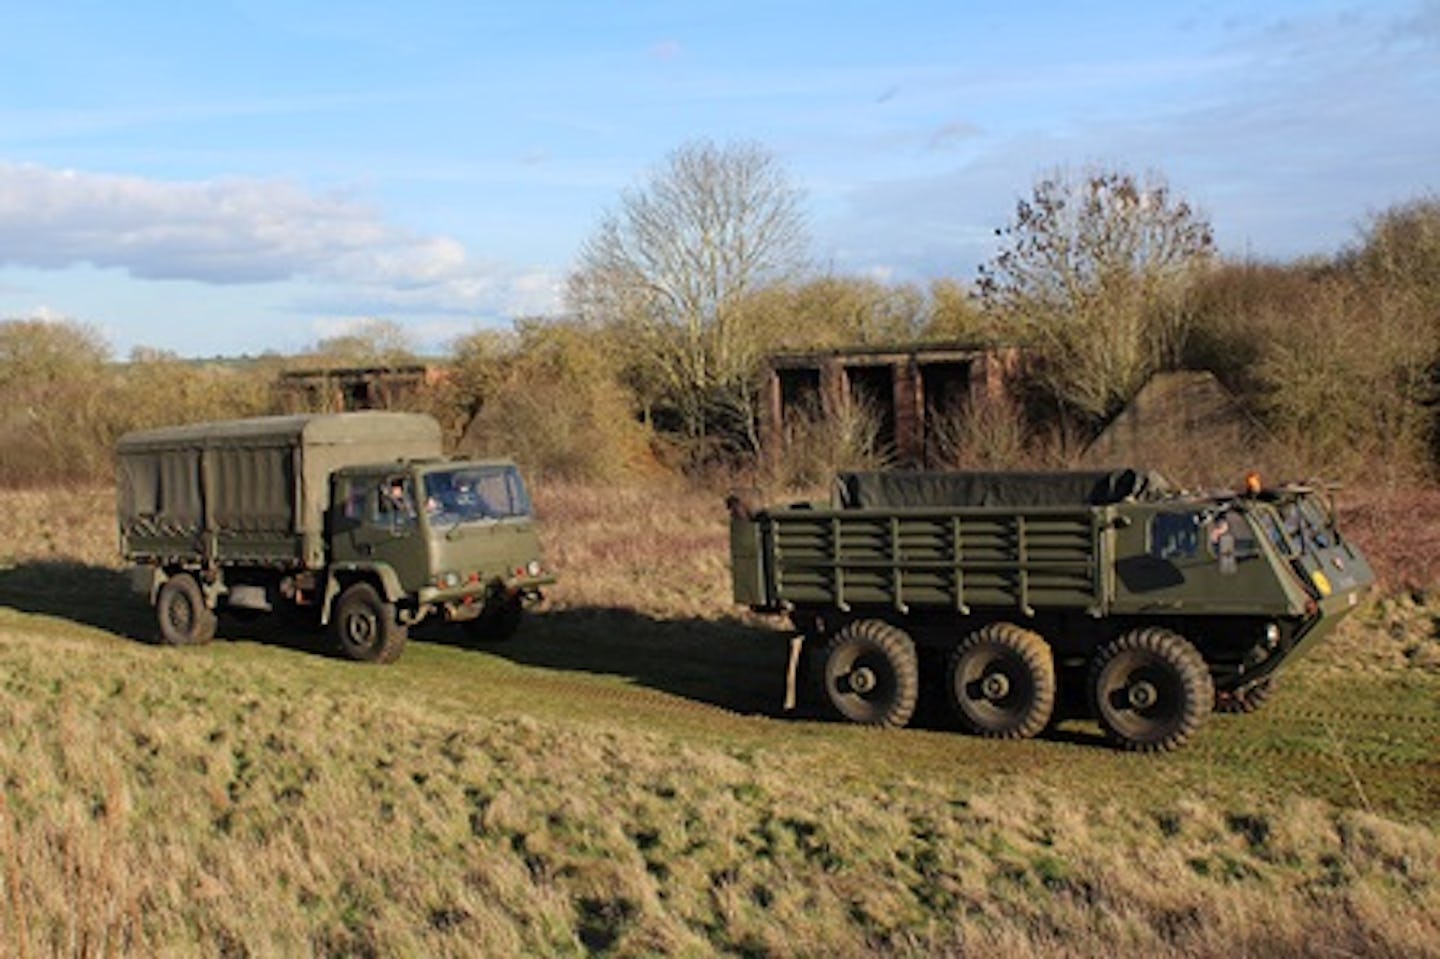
<point x="996" y="686"/>
<point x="360" y="629"/>
<point x="1142" y="695"/>
<point x="862" y="680"/>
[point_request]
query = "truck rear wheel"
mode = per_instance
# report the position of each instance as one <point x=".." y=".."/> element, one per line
<point x="872" y="675"/>
<point x="180" y="610"/>
<point x="365" y="627"/>
<point x="1001" y="682"/>
<point x="1151" y="690"/>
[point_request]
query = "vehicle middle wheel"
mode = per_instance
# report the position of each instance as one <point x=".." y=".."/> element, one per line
<point x="1151" y="690"/>
<point x="365" y="627"/>
<point x="872" y="675"/>
<point x="181" y="613"/>
<point x="1001" y="682"/>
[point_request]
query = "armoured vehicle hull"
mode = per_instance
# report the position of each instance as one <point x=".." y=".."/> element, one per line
<point x="351" y="520"/>
<point x="1158" y="605"/>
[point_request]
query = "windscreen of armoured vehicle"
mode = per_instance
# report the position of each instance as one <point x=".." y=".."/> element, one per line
<point x="1301" y="524"/>
<point x="474" y="494"/>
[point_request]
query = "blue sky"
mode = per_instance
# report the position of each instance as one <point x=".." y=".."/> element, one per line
<point x="232" y="177"/>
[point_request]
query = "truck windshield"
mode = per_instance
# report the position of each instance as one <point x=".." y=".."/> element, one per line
<point x="466" y="494"/>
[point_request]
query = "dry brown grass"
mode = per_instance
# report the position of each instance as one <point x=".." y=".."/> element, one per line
<point x="249" y="799"/>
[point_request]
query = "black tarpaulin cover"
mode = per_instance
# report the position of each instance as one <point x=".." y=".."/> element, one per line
<point x="915" y="489"/>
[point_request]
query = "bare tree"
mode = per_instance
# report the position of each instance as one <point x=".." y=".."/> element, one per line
<point x="1093" y="271"/>
<point x="371" y="342"/>
<point x="672" y="267"/>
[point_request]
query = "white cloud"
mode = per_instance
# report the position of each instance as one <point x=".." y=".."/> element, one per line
<point x="238" y="231"/>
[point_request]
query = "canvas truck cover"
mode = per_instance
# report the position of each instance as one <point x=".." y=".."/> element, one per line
<point x="935" y="490"/>
<point x="252" y="490"/>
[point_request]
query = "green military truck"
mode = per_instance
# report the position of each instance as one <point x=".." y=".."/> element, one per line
<point x="1160" y="605"/>
<point x="352" y="520"/>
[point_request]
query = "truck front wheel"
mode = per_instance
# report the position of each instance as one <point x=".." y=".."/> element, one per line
<point x="1151" y="690"/>
<point x="1001" y="681"/>
<point x="365" y="627"/>
<point x="180" y="610"/>
<point x="872" y="675"/>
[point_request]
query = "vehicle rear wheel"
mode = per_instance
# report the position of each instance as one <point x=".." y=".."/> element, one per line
<point x="1001" y="682"/>
<point x="498" y="622"/>
<point x="1246" y="700"/>
<point x="181" y="613"/>
<point x="872" y="675"/>
<point x="365" y="627"/>
<point x="1151" y="690"/>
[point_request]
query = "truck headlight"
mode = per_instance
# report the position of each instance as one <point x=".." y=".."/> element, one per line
<point x="534" y="568"/>
<point x="449" y="579"/>
<point x="1272" y="635"/>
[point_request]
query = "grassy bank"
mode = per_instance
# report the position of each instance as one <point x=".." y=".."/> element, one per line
<point x="619" y="780"/>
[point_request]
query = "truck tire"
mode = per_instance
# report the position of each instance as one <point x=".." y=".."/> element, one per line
<point x="1151" y="690"/>
<point x="872" y="675"/>
<point x="365" y="628"/>
<point x="1001" y="682"/>
<point x="1247" y="700"/>
<point x="496" y="624"/>
<point x="181" y="613"/>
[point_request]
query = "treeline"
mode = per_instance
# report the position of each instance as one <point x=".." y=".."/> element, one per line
<point x="1101" y="278"/>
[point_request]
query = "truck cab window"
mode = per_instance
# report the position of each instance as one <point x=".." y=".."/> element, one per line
<point x="394" y="502"/>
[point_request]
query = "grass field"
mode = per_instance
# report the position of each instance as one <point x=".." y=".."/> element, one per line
<point x="620" y="779"/>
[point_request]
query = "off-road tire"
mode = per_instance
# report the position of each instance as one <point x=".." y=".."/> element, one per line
<point x="1247" y="700"/>
<point x="496" y="624"/>
<point x="871" y="674"/>
<point x="1151" y="690"/>
<point x="181" y="613"/>
<point x="365" y="628"/>
<point x="1001" y="682"/>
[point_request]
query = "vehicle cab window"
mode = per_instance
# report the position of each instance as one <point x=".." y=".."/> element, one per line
<point x="1174" y="535"/>
<point x="394" y="504"/>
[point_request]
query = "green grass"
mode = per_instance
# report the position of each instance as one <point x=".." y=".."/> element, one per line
<point x="619" y="779"/>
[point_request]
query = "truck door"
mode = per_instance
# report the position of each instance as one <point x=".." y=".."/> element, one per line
<point x="376" y="521"/>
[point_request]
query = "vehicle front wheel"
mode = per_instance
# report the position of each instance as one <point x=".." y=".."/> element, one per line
<point x="181" y="613"/>
<point x="1001" y="682"/>
<point x="1151" y="690"/>
<point x="365" y="627"/>
<point x="872" y="675"/>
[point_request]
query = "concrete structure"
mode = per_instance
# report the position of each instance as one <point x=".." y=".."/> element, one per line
<point x="909" y="387"/>
<point x="344" y="389"/>
<point x="1178" y="420"/>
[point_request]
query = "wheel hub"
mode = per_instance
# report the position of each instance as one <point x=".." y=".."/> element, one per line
<point x="862" y="679"/>
<point x="995" y="687"/>
<point x="360" y="629"/>
<point x="1142" y="695"/>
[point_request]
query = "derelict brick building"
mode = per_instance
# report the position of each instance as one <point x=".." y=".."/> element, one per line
<point x="908" y="387"/>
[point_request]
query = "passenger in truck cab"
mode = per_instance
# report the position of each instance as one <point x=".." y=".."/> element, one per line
<point x="395" y="499"/>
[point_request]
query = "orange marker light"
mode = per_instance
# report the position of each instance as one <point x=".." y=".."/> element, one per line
<point x="1252" y="483"/>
